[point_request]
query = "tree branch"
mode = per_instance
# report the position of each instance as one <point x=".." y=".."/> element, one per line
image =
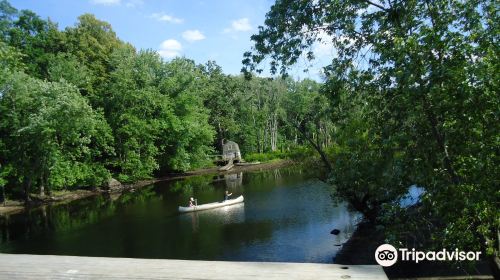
<point x="377" y="5"/>
<point x="324" y="158"/>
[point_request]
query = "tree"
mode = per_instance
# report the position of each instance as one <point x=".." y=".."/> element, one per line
<point x="10" y="58"/>
<point x="37" y="39"/>
<point x="191" y="135"/>
<point x="92" y="42"/>
<point x="427" y="66"/>
<point x="65" y="66"/>
<point x="7" y="14"/>
<point x="156" y="114"/>
<point x="137" y="112"/>
<point x="308" y="114"/>
<point x="260" y="111"/>
<point x="55" y="139"/>
<point x="219" y="92"/>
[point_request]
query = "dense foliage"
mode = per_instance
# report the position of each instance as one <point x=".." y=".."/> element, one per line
<point x="79" y="106"/>
<point x="413" y="90"/>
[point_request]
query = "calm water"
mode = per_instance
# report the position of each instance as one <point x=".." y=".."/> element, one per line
<point x="287" y="216"/>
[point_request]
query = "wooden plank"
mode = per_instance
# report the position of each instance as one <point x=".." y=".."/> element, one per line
<point x="228" y="166"/>
<point x="247" y="163"/>
<point x="71" y="267"/>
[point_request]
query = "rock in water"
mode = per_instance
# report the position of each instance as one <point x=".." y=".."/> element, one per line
<point x="335" y="231"/>
<point x="114" y="185"/>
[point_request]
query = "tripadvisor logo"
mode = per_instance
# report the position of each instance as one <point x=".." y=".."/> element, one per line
<point x="387" y="255"/>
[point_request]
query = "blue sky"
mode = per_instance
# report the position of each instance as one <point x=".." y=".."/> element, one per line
<point x="201" y="30"/>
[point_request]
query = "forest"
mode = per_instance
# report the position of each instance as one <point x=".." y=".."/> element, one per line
<point x="80" y="106"/>
<point x="410" y="98"/>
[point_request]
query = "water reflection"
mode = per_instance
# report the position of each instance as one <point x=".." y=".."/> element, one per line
<point x="287" y="216"/>
<point x="195" y="224"/>
<point x="230" y="214"/>
<point x="234" y="180"/>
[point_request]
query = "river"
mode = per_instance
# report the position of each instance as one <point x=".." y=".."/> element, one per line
<point x="287" y="216"/>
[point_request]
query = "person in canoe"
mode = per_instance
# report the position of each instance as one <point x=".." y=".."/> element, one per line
<point x="227" y="195"/>
<point x="192" y="202"/>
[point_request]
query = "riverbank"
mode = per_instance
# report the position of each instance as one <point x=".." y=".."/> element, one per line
<point x="14" y="206"/>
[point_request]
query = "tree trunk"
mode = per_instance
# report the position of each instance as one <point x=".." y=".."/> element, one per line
<point x="273" y="127"/>
<point x="322" y="154"/>
<point x="42" y="190"/>
<point x="361" y="205"/>
<point x="220" y="138"/>
<point x="27" y="188"/>
<point x="440" y="140"/>
<point x="265" y="138"/>
<point x="42" y="185"/>
<point x="3" y="195"/>
<point x="431" y="116"/>
<point x="276" y="132"/>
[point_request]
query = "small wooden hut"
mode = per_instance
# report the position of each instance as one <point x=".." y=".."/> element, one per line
<point x="231" y="151"/>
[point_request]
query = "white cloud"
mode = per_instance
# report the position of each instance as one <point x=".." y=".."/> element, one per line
<point x="193" y="35"/>
<point x="106" y="2"/>
<point x="170" y="48"/>
<point x="239" y="25"/>
<point x="242" y="24"/>
<point x="167" y="18"/>
<point x="134" y="3"/>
